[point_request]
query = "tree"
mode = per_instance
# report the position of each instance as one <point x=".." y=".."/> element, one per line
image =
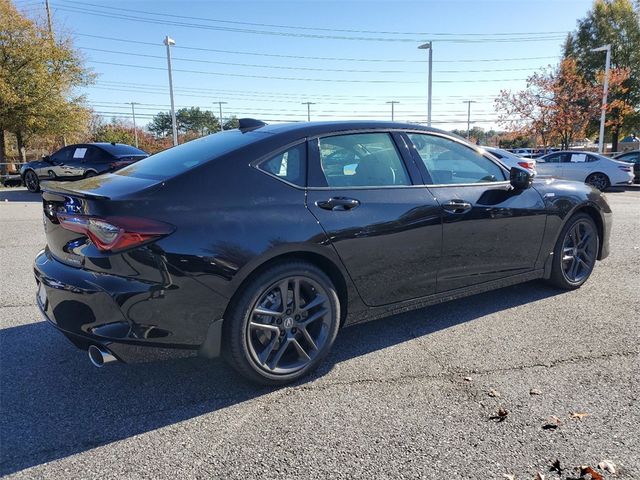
<point x="556" y="106"/>
<point x="231" y="123"/>
<point x="191" y="122"/>
<point x="38" y="78"/>
<point x="160" y="124"/>
<point x="615" y="22"/>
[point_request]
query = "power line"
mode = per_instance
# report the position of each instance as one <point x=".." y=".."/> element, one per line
<point x="303" y="57"/>
<point x="121" y="16"/>
<point x="298" y="27"/>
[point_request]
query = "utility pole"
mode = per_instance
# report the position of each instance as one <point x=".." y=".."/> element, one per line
<point x="605" y="92"/>
<point x="46" y="5"/>
<point x="168" y="41"/>
<point x="308" y="104"/>
<point x="468" y="102"/>
<point x="392" y="102"/>
<point x="220" y="118"/>
<point x="429" y="46"/>
<point x="135" y="130"/>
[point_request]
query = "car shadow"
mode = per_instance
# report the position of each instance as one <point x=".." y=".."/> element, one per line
<point x="19" y="195"/>
<point x="55" y="404"/>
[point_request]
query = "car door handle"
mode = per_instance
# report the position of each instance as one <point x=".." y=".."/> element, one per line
<point x="338" y="203"/>
<point x="457" y="206"/>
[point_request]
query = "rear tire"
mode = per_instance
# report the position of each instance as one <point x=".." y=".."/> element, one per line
<point x="90" y="174"/>
<point x="31" y="181"/>
<point x="272" y="342"/>
<point x="599" y="181"/>
<point x="575" y="253"/>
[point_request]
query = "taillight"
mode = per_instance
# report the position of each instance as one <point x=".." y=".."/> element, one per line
<point x="624" y="168"/>
<point x="529" y="165"/>
<point x="115" y="233"/>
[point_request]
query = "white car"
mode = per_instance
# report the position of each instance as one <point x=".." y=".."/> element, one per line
<point x="512" y="160"/>
<point x="596" y="170"/>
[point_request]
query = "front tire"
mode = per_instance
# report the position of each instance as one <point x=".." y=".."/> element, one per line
<point x="31" y="181"/>
<point x="599" y="181"/>
<point x="282" y="324"/>
<point x="575" y="253"/>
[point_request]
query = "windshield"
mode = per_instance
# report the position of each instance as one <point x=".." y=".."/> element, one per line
<point x="181" y="158"/>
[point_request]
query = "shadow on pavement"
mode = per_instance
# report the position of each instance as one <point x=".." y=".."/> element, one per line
<point x="19" y="195"/>
<point x="55" y="404"/>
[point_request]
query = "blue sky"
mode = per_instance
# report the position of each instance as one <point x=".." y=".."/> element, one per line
<point x="254" y="66"/>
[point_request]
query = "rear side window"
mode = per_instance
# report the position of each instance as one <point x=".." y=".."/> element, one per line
<point x="288" y="165"/>
<point x="362" y="160"/>
<point x="450" y="162"/>
<point x="177" y="160"/>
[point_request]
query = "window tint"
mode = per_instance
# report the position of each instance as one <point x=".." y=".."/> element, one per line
<point x="95" y="155"/>
<point x="362" y="160"/>
<point x="177" y="160"/>
<point x="63" y="154"/>
<point x="450" y="162"/>
<point x="288" y="165"/>
<point x="121" y="149"/>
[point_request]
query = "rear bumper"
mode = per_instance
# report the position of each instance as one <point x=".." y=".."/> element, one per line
<point x="104" y="310"/>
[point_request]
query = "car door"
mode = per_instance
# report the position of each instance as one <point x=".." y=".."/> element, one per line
<point x="364" y="190"/>
<point x="550" y="165"/>
<point x="55" y="166"/>
<point x="96" y="160"/>
<point x="490" y="230"/>
<point x="577" y="166"/>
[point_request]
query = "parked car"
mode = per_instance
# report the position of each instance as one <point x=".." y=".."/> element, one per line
<point x="634" y="158"/>
<point x="511" y="160"/>
<point x="74" y="162"/>
<point x="260" y="243"/>
<point x="597" y="170"/>
<point x="524" y="152"/>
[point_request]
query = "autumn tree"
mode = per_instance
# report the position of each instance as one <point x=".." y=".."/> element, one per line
<point x="614" y="22"/>
<point x="191" y="122"/>
<point x="556" y="106"/>
<point x="38" y="81"/>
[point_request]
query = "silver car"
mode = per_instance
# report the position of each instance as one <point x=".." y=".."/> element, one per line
<point x="512" y="160"/>
<point x="592" y="168"/>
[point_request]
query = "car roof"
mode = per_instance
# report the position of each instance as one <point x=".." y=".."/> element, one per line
<point x="319" y="128"/>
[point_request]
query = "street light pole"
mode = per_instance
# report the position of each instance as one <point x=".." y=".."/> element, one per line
<point x="429" y="46"/>
<point x="392" y="102"/>
<point x="468" y="102"/>
<point x="168" y="41"/>
<point x="605" y="92"/>
<point x="135" y="130"/>
<point x="221" y="122"/>
<point x="308" y="104"/>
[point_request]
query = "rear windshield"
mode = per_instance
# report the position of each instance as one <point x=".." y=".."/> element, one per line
<point x="122" y="149"/>
<point x="177" y="160"/>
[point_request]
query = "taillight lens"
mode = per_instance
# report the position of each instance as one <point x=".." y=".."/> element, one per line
<point x="115" y="233"/>
<point x="624" y="168"/>
<point x="529" y="165"/>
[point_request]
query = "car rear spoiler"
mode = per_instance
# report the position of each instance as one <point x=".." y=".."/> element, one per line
<point x="60" y="188"/>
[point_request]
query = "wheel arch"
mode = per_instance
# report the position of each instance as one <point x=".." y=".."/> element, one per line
<point x="594" y="213"/>
<point x="327" y="265"/>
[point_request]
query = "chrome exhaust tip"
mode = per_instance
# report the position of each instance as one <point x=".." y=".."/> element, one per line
<point x="99" y="356"/>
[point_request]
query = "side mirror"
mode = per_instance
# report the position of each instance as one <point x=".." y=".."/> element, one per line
<point x="46" y="158"/>
<point x="520" y="178"/>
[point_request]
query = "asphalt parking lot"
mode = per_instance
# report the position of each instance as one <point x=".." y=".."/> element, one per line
<point x="415" y="395"/>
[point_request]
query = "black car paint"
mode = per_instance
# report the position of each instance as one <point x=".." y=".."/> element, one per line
<point x="384" y="256"/>
<point x="50" y="168"/>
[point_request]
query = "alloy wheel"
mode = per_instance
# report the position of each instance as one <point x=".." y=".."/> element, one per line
<point x="579" y="251"/>
<point x="598" y="180"/>
<point x="289" y="325"/>
<point x="31" y="181"/>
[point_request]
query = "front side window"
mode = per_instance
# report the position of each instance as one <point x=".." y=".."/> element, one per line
<point x="450" y="162"/>
<point x="287" y="165"/>
<point x="362" y="160"/>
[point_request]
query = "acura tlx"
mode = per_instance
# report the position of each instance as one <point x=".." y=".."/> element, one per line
<point x="260" y="243"/>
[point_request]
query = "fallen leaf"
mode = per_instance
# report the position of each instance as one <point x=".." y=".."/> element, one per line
<point x="555" y="467"/>
<point x="501" y="415"/>
<point x="493" y="393"/>
<point x="508" y="476"/>
<point x="608" y="466"/>
<point x="553" y="422"/>
<point x="539" y="476"/>
<point x="578" y="415"/>
<point x="535" y="391"/>
<point x="584" y="470"/>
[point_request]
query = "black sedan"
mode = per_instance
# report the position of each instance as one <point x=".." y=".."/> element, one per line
<point x="75" y="162"/>
<point x="260" y="243"/>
